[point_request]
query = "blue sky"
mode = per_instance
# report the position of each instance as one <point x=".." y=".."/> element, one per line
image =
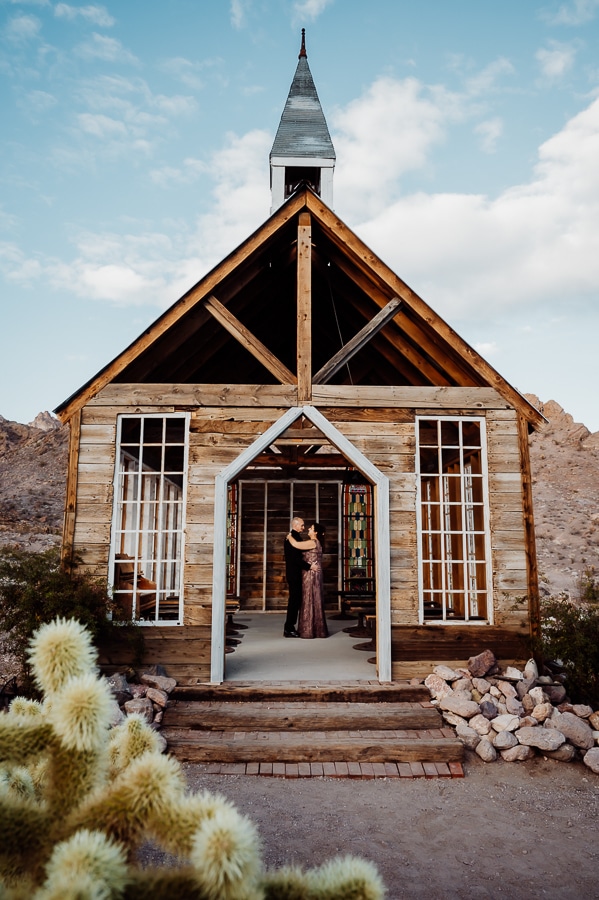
<point x="134" y="156"/>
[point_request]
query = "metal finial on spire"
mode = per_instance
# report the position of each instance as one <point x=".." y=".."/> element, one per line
<point x="303" y="48"/>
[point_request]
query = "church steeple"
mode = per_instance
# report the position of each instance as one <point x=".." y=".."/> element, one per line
<point x="302" y="150"/>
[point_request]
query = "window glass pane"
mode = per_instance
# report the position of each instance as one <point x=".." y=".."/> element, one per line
<point x="450" y="434"/>
<point x="149" y="522"/>
<point x="130" y="431"/>
<point x="452" y="520"/>
<point x="429" y="460"/>
<point x="153" y="430"/>
<point x="428" y="433"/>
<point x="471" y="434"/>
<point x="173" y="459"/>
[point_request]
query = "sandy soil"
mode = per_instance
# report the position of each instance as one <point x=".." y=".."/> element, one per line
<point x="517" y="830"/>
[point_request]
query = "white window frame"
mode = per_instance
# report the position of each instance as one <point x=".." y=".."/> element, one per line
<point x="116" y="530"/>
<point x="445" y="619"/>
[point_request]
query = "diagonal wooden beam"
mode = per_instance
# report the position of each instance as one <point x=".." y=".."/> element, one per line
<point x="343" y="356"/>
<point x="249" y="341"/>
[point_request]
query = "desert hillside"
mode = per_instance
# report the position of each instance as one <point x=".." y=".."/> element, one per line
<point x="565" y="463"/>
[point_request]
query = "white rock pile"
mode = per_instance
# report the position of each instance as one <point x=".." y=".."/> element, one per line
<point x="514" y="714"/>
<point x="148" y="695"/>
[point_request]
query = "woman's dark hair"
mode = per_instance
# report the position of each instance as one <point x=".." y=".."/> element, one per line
<point x="320" y="533"/>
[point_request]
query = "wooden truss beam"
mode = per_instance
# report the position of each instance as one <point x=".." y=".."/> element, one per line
<point x="304" y="308"/>
<point x="249" y="341"/>
<point x="355" y="344"/>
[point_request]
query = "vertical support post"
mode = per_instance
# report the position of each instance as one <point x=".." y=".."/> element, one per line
<point x="70" y="509"/>
<point x="304" y="308"/>
<point x="529" y="528"/>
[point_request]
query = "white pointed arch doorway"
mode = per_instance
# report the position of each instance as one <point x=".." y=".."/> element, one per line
<point x="380" y="484"/>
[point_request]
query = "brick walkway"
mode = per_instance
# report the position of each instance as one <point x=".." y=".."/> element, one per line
<point x="336" y="769"/>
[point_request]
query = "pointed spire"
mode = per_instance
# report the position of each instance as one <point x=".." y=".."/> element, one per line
<point x="303" y="129"/>
<point x="302" y="151"/>
<point x="303" y="47"/>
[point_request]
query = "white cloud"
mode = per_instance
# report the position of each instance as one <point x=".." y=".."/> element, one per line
<point x="535" y="243"/>
<point x="106" y="48"/>
<point x="486" y="348"/>
<point x="20" y="29"/>
<point x="101" y="126"/>
<point x="238" y="12"/>
<point x="576" y="13"/>
<point x="490" y="131"/>
<point x="486" y="80"/>
<point x="555" y="60"/>
<point x="309" y="10"/>
<point x="37" y="102"/>
<point x="384" y="134"/>
<point x="190" y="170"/>
<point x="98" y="15"/>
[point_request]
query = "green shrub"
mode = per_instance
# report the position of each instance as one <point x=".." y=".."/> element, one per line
<point x="34" y="590"/>
<point x="570" y="635"/>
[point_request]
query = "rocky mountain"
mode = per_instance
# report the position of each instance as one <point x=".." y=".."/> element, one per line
<point x="565" y="463"/>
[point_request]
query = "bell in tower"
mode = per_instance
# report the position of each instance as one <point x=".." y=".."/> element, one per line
<point x="302" y="152"/>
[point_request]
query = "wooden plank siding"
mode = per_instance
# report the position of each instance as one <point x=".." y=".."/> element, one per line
<point x="379" y="422"/>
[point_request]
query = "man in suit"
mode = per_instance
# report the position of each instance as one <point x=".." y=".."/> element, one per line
<point x="294" y="566"/>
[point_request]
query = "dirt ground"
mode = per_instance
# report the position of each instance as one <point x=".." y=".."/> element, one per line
<point x="517" y="830"/>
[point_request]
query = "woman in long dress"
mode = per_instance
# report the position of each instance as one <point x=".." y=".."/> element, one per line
<point x="312" y="622"/>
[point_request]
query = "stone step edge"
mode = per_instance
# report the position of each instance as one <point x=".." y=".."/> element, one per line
<point x="355" y="771"/>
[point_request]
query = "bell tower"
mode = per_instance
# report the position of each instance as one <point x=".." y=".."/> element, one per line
<point x="302" y="151"/>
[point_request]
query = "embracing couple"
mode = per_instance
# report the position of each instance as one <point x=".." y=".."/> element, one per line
<point x="303" y="564"/>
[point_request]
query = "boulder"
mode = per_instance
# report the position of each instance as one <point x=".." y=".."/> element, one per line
<point x="505" y="723"/>
<point x="437" y="686"/>
<point x="565" y="753"/>
<point x="523" y="687"/>
<point x="464" y="708"/>
<point x="582" y="710"/>
<point x="513" y="673"/>
<point x="479" y="665"/>
<point x="594" y="720"/>
<point x="531" y="670"/>
<point x="542" y="711"/>
<point x="542" y="738"/>
<point x="446" y="673"/>
<point x="158" y="681"/>
<point x="488" y="709"/>
<point x="159" y="698"/>
<point x="507" y="689"/>
<point x="538" y="695"/>
<point x="514" y="707"/>
<point x="138" y="690"/>
<point x="468" y="736"/>
<point x="480" y="724"/>
<point x="517" y="754"/>
<point x="591" y="759"/>
<point x="481" y="685"/>
<point x="577" y="731"/>
<point x="503" y="740"/>
<point x="486" y="750"/>
<point x="143" y="706"/>
<point x="528" y="722"/>
<point x="116" y="715"/>
<point x="556" y="693"/>
<point x="452" y="719"/>
<point x="462" y="685"/>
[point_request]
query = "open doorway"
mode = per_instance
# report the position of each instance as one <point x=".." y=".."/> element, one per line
<point x="301" y="452"/>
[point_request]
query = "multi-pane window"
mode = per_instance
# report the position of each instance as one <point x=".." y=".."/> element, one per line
<point x="149" y="517"/>
<point x="453" y="524"/>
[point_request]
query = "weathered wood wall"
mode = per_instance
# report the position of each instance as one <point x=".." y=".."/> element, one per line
<point x="380" y="423"/>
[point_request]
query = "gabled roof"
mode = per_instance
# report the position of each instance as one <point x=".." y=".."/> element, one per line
<point x="303" y="131"/>
<point x="238" y="324"/>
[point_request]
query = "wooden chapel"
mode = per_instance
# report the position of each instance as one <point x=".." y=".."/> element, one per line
<point x="302" y="375"/>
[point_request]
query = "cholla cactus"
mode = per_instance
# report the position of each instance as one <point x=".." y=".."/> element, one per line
<point x="77" y="799"/>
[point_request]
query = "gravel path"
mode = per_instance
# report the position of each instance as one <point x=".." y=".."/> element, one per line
<point x="514" y="830"/>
